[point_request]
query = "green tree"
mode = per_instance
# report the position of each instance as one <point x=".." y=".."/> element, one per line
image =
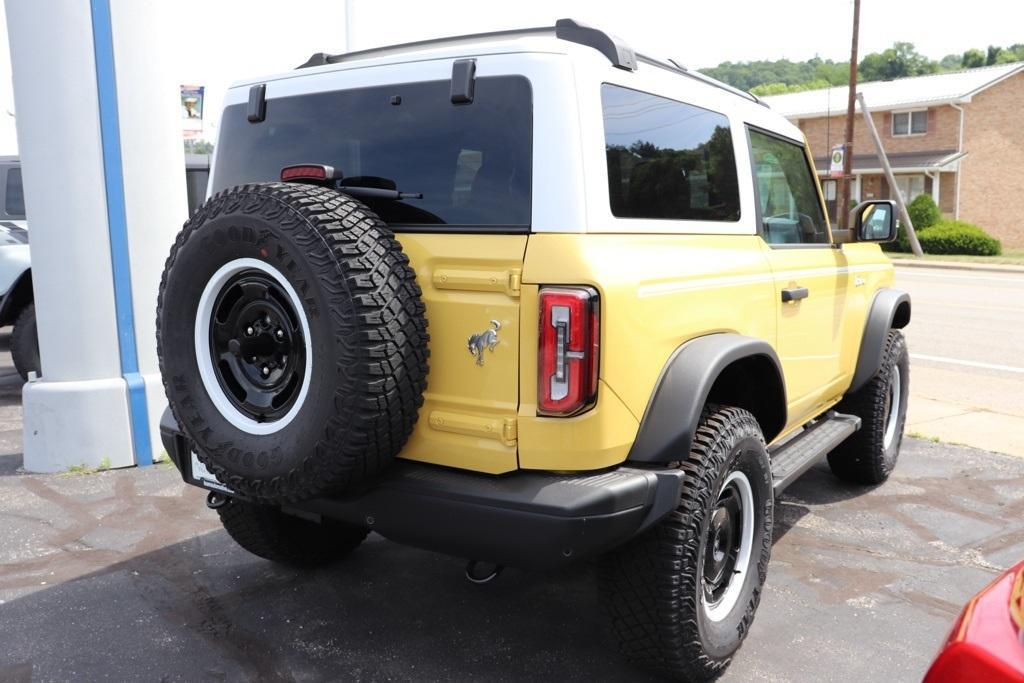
<point x="923" y="212"/>
<point x="973" y="58"/>
<point x="898" y="61"/>
<point x="1014" y="53"/>
<point x="768" y="89"/>
<point x="767" y="77"/>
<point x="198" y="147"/>
<point x="950" y="62"/>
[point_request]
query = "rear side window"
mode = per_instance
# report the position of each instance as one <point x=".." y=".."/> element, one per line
<point x="667" y="159"/>
<point x="787" y="192"/>
<point x="14" y="199"/>
<point x="472" y="162"/>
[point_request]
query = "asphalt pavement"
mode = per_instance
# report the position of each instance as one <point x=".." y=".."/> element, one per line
<point x="125" y="575"/>
<point x="967" y="363"/>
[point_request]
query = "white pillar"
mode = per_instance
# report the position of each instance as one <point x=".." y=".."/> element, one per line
<point x="103" y="167"/>
<point x="350" y="28"/>
<point x="936" y="181"/>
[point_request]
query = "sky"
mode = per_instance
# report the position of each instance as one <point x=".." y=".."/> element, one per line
<point x="226" y="40"/>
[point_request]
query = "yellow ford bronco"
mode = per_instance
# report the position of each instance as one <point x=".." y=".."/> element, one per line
<point x="528" y="298"/>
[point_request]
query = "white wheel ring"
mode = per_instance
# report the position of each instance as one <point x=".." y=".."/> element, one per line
<point x="895" y="396"/>
<point x="204" y="360"/>
<point x="718" y="610"/>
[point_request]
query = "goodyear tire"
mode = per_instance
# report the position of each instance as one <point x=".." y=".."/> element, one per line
<point x="680" y="598"/>
<point x="869" y="455"/>
<point x="292" y="340"/>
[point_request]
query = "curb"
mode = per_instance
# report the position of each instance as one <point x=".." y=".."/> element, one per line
<point x="958" y="265"/>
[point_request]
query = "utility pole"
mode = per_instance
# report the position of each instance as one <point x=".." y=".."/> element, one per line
<point x="844" y="194"/>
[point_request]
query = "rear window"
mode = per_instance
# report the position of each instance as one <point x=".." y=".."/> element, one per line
<point x="667" y="159"/>
<point x="472" y="162"/>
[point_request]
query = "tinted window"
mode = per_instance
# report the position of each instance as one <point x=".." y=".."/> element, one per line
<point x="14" y="201"/>
<point x="786" y="190"/>
<point x="667" y="159"/>
<point x="472" y="162"/>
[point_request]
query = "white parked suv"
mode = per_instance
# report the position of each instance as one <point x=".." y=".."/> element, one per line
<point x="16" y="302"/>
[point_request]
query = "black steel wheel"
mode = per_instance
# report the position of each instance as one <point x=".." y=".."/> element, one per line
<point x="257" y="345"/>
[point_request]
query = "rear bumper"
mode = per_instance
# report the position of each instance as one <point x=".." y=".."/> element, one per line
<point x="533" y="520"/>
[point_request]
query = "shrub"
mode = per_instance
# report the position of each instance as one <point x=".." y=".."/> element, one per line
<point x="923" y="212"/>
<point x="958" y="237"/>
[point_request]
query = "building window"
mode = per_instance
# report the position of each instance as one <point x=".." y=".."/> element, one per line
<point x="910" y="122"/>
<point x="910" y="186"/>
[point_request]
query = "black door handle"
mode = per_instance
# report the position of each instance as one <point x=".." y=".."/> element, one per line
<point x="794" y="293"/>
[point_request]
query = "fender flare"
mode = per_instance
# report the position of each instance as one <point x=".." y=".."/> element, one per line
<point x="890" y="309"/>
<point x="673" y="413"/>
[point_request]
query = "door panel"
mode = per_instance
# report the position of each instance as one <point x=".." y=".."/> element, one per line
<point x="468" y="418"/>
<point x="811" y="330"/>
<point x="811" y="277"/>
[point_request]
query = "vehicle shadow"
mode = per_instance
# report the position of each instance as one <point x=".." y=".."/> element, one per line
<point x="203" y="609"/>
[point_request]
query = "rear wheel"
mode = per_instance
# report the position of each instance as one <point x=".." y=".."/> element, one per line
<point x="680" y="599"/>
<point x="271" y="534"/>
<point x="25" y="342"/>
<point x="869" y="455"/>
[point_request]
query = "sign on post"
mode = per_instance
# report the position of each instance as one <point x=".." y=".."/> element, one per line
<point x="192" y="110"/>
<point x="836" y="161"/>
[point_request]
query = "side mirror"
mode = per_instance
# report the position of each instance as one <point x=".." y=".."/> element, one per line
<point x="874" y="221"/>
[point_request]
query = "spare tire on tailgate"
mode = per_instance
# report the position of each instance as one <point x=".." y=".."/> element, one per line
<point x="292" y="340"/>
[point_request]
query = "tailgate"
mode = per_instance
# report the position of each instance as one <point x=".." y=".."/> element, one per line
<point x="468" y="418"/>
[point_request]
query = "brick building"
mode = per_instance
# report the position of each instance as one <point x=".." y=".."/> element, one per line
<point x="957" y="136"/>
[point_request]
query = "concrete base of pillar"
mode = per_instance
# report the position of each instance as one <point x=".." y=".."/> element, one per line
<point x="68" y="424"/>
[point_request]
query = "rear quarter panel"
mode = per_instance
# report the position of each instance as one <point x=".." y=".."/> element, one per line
<point x="657" y="291"/>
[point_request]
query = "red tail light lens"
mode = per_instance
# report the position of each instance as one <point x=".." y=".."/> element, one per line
<point x="567" y="361"/>
<point x="307" y="172"/>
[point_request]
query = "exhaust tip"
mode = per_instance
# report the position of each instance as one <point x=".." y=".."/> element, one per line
<point x="482" y="572"/>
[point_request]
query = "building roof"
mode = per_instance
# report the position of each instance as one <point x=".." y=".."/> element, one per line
<point x="955" y="86"/>
<point x="936" y="160"/>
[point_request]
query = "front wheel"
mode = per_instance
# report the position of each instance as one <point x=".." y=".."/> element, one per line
<point x="680" y="598"/>
<point x="869" y="455"/>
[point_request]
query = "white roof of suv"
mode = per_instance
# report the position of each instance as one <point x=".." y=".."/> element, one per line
<point x="563" y="64"/>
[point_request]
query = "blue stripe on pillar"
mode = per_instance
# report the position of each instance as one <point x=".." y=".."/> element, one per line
<point x="106" y="86"/>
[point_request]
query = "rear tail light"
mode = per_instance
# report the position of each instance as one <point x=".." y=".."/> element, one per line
<point x="567" y="360"/>
<point x="308" y="173"/>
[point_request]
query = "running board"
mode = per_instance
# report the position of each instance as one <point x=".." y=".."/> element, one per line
<point x="810" y="447"/>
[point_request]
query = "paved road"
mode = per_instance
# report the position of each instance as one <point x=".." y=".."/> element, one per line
<point x="967" y="352"/>
<point x="125" y="575"/>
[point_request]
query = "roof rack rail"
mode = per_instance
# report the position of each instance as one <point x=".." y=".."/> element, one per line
<point x="673" y="65"/>
<point x="618" y="53"/>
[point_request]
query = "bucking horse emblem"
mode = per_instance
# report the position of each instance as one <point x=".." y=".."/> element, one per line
<point x="484" y="340"/>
